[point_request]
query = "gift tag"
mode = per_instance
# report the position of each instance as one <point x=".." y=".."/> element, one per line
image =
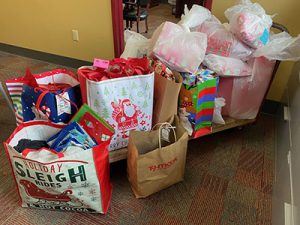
<point x="101" y="63"/>
<point x="63" y="104"/>
<point x="165" y="134"/>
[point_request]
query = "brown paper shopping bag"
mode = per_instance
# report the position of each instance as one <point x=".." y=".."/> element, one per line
<point x="166" y="94"/>
<point x="153" y="163"/>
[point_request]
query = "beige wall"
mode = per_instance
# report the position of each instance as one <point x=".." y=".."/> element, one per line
<point x="288" y="14"/>
<point x="46" y="26"/>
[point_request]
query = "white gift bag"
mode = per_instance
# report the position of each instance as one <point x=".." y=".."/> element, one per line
<point x="126" y="103"/>
<point x="76" y="180"/>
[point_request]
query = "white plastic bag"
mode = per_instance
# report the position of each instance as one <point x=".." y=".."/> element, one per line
<point x="281" y="47"/>
<point x="177" y="48"/>
<point x="225" y="66"/>
<point x="136" y="45"/>
<point x="194" y="17"/>
<point x="217" y="116"/>
<point x="250" y="23"/>
<point x="220" y="41"/>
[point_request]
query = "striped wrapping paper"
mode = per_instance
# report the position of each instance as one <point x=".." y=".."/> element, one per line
<point x="198" y="100"/>
<point x="15" y="91"/>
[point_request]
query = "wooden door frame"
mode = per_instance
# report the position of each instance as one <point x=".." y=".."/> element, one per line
<point x="118" y="27"/>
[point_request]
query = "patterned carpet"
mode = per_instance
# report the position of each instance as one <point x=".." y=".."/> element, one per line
<point x="228" y="178"/>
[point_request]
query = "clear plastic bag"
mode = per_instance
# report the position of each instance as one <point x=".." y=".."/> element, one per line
<point x="177" y="48"/>
<point x="223" y="42"/>
<point x="225" y="66"/>
<point x="250" y="23"/>
<point x="194" y="17"/>
<point x="217" y="117"/>
<point x="281" y="47"/>
<point x="136" y="45"/>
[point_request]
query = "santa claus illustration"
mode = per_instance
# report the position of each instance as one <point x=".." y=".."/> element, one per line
<point x="125" y="114"/>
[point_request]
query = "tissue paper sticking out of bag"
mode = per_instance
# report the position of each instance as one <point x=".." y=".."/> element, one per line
<point x="136" y="45"/>
<point x="194" y="17"/>
<point x="250" y="23"/>
<point x="281" y="47"/>
<point x="225" y="66"/>
<point x="177" y="48"/>
<point x="222" y="42"/>
<point x="217" y="117"/>
<point x="183" y="115"/>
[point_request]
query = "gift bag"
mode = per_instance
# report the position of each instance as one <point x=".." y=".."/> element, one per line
<point x="93" y="124"/>
<point x="166" y="91"/>
<point x="76" y="181"/>
<point x="126" y="103"/>
<point x="197" y="96"/>
<point x="156" y="159"/>
<point x="53" y="95"/>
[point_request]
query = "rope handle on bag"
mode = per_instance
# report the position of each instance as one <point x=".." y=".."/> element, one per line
<point x="164" y="125"/>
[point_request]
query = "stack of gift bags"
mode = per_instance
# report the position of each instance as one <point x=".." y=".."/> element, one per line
<point x="150" y="100"/>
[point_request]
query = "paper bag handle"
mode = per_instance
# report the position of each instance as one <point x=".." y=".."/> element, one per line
<point x="168" y="125"/>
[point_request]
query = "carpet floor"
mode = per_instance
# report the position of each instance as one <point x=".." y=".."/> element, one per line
<point x="228" y="178"/>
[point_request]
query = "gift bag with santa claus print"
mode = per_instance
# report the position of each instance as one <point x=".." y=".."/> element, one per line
<point x="126" y="103"/>
<point x="75" y="180"/>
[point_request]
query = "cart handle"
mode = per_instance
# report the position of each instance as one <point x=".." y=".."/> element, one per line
<point x="280" y="27"/>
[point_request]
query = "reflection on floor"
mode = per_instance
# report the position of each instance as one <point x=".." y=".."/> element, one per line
<point x="157" y="15"/>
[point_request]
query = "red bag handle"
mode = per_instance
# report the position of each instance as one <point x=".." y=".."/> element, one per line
<point x="29" y="79"/>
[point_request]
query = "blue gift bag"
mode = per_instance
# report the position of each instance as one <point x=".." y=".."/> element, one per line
<point x="57" y="98"/>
